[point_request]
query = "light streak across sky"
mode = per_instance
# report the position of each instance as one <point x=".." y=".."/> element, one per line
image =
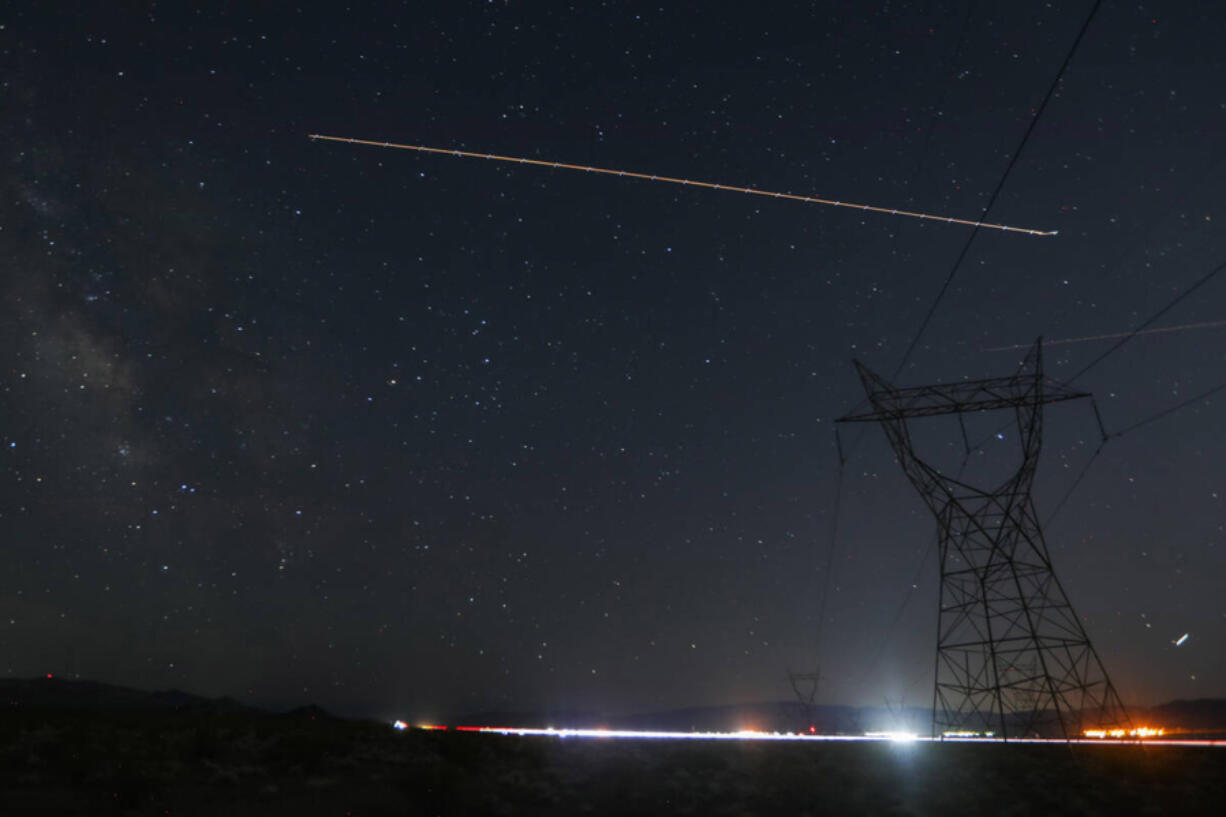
<point x="1112" y="336"/>
<point x="890" y="211"/>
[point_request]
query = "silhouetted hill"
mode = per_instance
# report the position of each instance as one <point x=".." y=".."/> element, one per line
<point x="1205" y="715"/>
<point x="310" y="712"/>
<point x="60" y="694"/>
<point x="79" y="748"/>
<point x="587" y="718"/>
<point x="771" y="716"/>
<point x="1202" y="715"/>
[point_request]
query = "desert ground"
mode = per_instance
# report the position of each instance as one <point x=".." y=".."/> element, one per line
<point x="306" y="763"/>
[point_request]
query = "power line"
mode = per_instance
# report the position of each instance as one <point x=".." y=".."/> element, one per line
<point x="799" y="680"/>
<point x="1143" y="325"/>
<point x="1141" y="328"/>
<point x="1084" y="470"/>
<point x="902" y="607"/>
<point x="1000" y="186"/>
<point x="1166" y="412"/>
<point x="932" y="543"/>
<point x="1107" y="437"/>
<point x="834" y="543"/>
<point x="1113" y="335"/>
<point x="945" y="71"/>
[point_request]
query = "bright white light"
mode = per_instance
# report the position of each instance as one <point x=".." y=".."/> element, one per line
<point x="400" y="725"/>
<point x="1179" y="641"/>
<point x="897" y="737"/>
<point x="643" y="734"/>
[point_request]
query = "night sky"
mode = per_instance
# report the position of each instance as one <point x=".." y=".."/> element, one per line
<point x="410" y="435"/>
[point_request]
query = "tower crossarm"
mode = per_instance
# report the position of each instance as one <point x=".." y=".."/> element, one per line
<point x="959" y="398"/>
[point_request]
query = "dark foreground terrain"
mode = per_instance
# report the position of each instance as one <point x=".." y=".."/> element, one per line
<point x="83" y="748"/>
<point x="237" y="764"/>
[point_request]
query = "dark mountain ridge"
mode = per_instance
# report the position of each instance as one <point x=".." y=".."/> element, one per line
<point x="62" y="694"/>
<point x="58" y="694"/>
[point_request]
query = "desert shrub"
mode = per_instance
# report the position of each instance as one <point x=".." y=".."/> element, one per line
<point x="518" y="790"/>
<point x="68" y="760"/>
<point x="439" y="787"/>
<point x="530" y="755"/>
<point x="205" y="743"/>
<point x="466" y="751"/>
<point x="305" y="751"/>
<point x="134" y="784"/>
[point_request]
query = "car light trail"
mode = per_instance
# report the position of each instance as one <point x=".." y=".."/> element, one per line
<point x="651" y="177"/>
<point x="1141" y="736"/>
<point x="645" y="734"/>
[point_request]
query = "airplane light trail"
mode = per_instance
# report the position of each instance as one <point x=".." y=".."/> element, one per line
<point x="689" y="183"/>
<point x="1112" y="336"/>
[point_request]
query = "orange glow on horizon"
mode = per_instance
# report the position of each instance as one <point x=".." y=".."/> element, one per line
<point x="1140" y="732"/>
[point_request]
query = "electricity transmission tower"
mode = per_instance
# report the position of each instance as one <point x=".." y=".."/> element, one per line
<point x="804" y="684"/>
<point x="1012" y="657"/>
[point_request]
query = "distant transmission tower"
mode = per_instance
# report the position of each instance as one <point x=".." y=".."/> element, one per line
<point x="1012" y="657"/>
<point x="804" y="684"/>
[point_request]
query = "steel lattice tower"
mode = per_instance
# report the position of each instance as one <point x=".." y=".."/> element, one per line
<point x="1012" y="657"/>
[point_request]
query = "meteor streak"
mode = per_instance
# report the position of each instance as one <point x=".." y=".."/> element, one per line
<point x="1112" y="336"/>
<point x="891" y="211"/>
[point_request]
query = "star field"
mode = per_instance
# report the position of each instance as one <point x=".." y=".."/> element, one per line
<point x="398" y="433"/>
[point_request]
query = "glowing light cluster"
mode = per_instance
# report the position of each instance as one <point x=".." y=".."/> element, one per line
<point x="897" y="737"/>
<point x="1138" y="732"/>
